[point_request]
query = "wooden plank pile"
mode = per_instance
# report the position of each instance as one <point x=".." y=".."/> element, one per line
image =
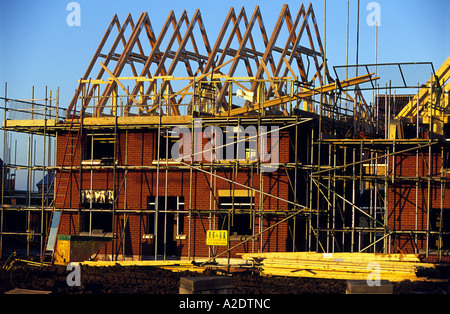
<point x="173" y="265"/>
<point x="346" y="266"/>
<point x="27" y="291"/>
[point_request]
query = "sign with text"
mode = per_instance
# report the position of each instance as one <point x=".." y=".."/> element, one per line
<point x="97" y="196"/>
<point x="217" y="237"/>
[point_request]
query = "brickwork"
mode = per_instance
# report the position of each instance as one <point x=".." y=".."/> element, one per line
<point x="136" y="149"/>
<point x="409" y="203"/>
<point x="407" y="209"/>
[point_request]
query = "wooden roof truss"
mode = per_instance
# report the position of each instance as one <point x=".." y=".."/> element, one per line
<point x="146" y="67"/>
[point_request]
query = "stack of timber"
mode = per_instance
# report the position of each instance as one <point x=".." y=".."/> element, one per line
<point x="27" y="291"/>
<point x="346" y="266"/>
<point x="174" y="266"/>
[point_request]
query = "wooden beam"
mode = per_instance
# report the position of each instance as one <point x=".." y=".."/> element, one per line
<point x="290" y="68"/>
<point x="410" y="110"/>
<point x="119" y="83"/>
<point x="115" y="21"/>
<point x="29" y="123"/>
<point x="197" y="79"/>
<point x="224" y="90"/>
<point x="122" y="61"/>
<point x="108" y="57"/>
<point x="150" y="59"/>
<point x="303" y="94"/>
<point x="270" y="78"/>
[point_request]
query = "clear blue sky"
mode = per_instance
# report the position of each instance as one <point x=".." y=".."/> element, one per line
<point x="38" y="48"/>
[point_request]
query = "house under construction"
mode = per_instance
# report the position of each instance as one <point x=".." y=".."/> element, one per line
<point x="170" y="136"/>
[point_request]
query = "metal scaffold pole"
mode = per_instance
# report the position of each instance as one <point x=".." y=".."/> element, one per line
<point x="3" y="173"/>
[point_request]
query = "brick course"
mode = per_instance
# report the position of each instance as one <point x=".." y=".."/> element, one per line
<point x="409" y="203"/>
<point x="138" y="148"/>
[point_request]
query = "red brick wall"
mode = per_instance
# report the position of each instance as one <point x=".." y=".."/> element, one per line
<point x="408" y="210"/>
<point x="138" y="148"/>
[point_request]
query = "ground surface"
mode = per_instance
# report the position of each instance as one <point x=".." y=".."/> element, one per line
<point x="150" y="280"/>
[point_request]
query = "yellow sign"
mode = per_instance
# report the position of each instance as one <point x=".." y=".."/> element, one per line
<point x="217" y="237"/>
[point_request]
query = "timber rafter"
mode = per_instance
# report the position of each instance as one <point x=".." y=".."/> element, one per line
<point x="241" y="48"/>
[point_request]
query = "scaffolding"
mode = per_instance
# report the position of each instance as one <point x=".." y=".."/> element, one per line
<point x="26" y="206"/>
<point x="341" y="173"/>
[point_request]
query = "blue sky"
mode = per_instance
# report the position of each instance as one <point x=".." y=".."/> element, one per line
<point x="38" y="48"/>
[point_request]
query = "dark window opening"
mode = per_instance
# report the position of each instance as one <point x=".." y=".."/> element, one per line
<point x="166" y="223"/>
<point x="99" y="146"/>
<point x="240" y="144"/>
<point x="240" y="224"/>
<point x="440" y="222"/>
<point x="172" y="213"/>
<point x="97" y="222"/>
<point x="174" y="203"/>
<point x="446" y="161"/>
<point x="166" y="144"/>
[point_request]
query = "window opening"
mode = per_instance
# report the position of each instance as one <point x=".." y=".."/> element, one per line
<point x="99" y="147"/>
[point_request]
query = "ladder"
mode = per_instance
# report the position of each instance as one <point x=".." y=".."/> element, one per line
<point x="63" y="182"/>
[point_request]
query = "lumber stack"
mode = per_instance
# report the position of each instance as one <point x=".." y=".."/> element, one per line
<point x="27" y="291"/>
<point x="173" y="265"/>
<point x="346" y="266"/>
